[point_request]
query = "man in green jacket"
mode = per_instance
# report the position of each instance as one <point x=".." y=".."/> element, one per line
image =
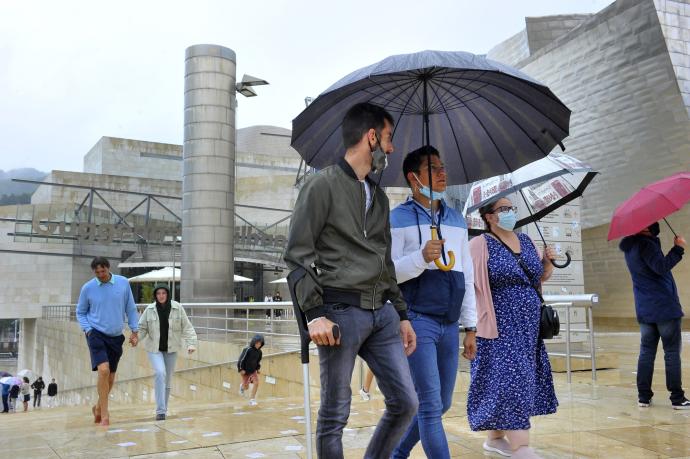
<point x="340" y="246"/>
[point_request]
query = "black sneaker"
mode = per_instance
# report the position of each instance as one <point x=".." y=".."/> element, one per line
<point x="683" y="405"/>
<point x="644" y="403"/>
<point x="160" y="417"/>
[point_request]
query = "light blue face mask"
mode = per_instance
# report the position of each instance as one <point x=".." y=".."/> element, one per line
<point x="427" y="192"/>
<point x="507" y="220"/>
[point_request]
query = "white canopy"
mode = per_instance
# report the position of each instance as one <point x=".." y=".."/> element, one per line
<point x="166" y="275"/>
<point x="282" y="280"/>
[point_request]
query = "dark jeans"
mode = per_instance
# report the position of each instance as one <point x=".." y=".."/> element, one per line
<point x="375" y="336"/>
<point x="434" y="367"/>
<point x="670" y="334"/>
<point x="5" y="403"/>
<point x="37" y="398"/>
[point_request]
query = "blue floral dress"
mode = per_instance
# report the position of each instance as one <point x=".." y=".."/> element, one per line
<point x="511" y="375"/>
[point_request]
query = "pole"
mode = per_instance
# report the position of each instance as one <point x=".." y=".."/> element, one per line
<point x="173" y="267"/>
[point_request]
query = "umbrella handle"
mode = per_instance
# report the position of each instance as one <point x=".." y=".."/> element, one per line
<point x="439" y="264"/>
<point x="564" y="264"/>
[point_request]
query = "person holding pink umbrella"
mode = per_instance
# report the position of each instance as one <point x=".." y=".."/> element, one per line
<point x="657" y="304"/>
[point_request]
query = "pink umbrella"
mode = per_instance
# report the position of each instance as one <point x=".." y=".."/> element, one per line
<point x="652" y="203"/>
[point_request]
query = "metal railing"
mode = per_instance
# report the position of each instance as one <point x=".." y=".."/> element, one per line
<point x="586" y="301"/>
<point x="224" y="322"/>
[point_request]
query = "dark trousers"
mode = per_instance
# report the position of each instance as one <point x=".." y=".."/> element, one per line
<point x="37" y="398"/>
<point x="375" y="336"/>
<point x="670" y="334"/>
<point x="5" y="403"/>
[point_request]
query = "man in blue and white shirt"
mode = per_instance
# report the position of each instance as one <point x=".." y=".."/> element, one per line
<point x="437" y="300"/>
<point x="103" y="303"/>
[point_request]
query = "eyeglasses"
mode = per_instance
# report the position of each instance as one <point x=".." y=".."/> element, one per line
<point x="504" y="209"/>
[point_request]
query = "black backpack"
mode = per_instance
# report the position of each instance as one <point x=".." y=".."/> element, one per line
<point x="14" y="391"/>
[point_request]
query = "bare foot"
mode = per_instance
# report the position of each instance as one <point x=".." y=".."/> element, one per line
<point x="105" y="422"/>
<point x="96" y="415"/>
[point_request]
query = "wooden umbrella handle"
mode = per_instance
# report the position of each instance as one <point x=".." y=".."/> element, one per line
<point x="439" y="264"/>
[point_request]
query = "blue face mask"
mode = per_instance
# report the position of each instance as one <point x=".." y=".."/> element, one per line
<point x="425" y="191"/>
<point x="507" y="220"/>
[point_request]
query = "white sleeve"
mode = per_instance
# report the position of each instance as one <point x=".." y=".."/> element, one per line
<point x="406" y="266"/>
<point x="468" y="313"/>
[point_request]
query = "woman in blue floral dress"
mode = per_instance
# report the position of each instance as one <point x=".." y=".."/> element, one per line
<point x="511" y="374"/>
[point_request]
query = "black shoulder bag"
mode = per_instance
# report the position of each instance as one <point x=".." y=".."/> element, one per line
<point x="549" y="324"/>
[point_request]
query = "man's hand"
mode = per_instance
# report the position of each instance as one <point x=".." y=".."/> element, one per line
<point x="321" y="332"/>
<point x="679" y="241"/>
<point x="134" y="339"/>
<point x="409" y="338"/>
<point x="432" y="250"/>
<point x="469" y="343"/>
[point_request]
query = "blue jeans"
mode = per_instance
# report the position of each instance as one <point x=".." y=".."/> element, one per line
<point x="375" y="336"/>
<point x="163" y="364"/>
<point x="670" y="334"/>
<point x="434" y="367"/>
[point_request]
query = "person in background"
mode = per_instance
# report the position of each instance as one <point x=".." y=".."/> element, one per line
<point x="248" y="366"/>
<point x="165" y="330"/>
<point x="5" y="398"/>
<point x="104" y="301"/>
<point x="25" y="390"/>
<point x="52" y="393"/>
<point x="38" y="387"/>
<point x="14" y="395"/>
<point x="364" y="392"/>
<point x="276" y="298"/>
<point x="510" y="378"/>
<point x="658" y="311"/>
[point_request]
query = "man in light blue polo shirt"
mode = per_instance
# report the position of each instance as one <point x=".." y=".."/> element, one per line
<point x="103" y="303"/>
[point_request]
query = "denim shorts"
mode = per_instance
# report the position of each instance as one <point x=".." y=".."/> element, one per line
<point x="104" y="348"/>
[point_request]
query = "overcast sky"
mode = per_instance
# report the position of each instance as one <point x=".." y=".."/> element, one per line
<point x="74" y="71"/>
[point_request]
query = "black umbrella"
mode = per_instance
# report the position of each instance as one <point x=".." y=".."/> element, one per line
<point x="485" y="117"/>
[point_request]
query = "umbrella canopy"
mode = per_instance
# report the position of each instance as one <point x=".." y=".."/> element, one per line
<point x="652" y="203"/>
<point x="282" y="280"/>
<point x="4" y="374"/>
<point x="485" y="118"/>
<point x="11" y="380"/>
<point x="25" y="373"/>
<point x="544" y="186"/>
<point x="166" y="275"/>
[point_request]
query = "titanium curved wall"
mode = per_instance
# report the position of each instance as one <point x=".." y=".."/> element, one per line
<point x="208" y="182"/>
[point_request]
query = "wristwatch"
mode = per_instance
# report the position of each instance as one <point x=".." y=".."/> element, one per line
<point x="470" y="329"/>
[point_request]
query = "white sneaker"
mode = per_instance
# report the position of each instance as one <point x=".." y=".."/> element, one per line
<point x="253" y="402"/>
<point x="365" y="395"/>
<point x="498" y="445"/>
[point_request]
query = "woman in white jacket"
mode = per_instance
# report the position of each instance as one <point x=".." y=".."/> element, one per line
<point x="164" y="330"/>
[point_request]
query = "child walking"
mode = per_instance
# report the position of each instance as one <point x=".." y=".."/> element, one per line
<point x="248" y="366"/>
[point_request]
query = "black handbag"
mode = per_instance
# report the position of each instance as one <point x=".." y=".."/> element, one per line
<point x="549" y="323"/>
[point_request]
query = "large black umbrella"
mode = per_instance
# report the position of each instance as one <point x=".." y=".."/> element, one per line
<point x="486" y="118"/>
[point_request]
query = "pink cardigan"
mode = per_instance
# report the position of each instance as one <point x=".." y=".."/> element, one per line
<point x="486" y="315"/>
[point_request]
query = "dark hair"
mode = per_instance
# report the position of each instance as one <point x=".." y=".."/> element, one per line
<point x="413" y="161"/>
<point x="99" y="261"/>
<point x="360" y="118"/>
<point x="487" y="209"/>
<point x="26" y="380"/>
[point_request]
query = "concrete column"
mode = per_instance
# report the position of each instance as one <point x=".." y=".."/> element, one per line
<point x="208" y="184"/>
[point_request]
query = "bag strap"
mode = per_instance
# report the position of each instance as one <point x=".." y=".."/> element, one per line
<point x="520" y="264"/>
